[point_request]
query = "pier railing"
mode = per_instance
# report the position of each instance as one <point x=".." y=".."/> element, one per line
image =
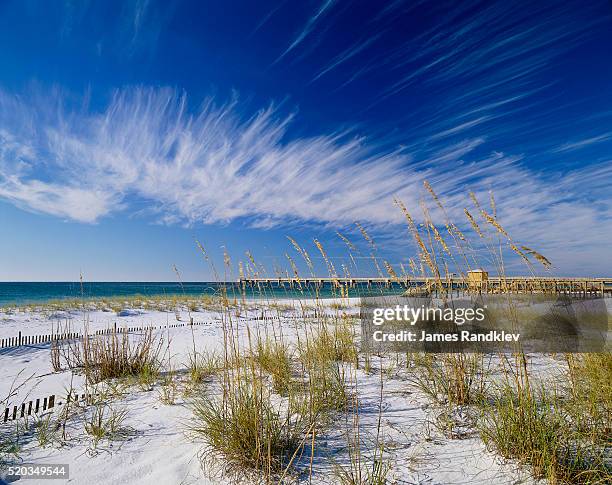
<point x="585" y="287"/>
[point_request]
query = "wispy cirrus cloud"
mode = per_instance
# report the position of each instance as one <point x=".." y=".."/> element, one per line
<point x="498" y="45"/>
<point x="215" y="164"/>
<point x="584" y="143"/>
<point x="135" y="28"/>
<point x="308" y="28"/>
<point x="461" y="56"/>
<point x="268" y="16"/>
<point x="346" y="55"/>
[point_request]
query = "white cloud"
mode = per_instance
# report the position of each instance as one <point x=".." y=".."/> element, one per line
<point x="310" y="25"/>
<point x="214" y="165"/>
<point x="81" y="205"/>
<point x="587" y="142"/>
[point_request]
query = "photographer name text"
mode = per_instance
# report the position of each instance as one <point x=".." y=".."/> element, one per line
<point x="463" y="336"/>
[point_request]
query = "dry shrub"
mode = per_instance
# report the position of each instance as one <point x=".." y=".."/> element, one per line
<point x="115" y="355"/>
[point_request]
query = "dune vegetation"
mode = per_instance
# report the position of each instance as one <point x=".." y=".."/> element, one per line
<point x="263" y="405"/>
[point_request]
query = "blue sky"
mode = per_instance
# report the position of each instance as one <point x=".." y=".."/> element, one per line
<point x="128" y="129"/>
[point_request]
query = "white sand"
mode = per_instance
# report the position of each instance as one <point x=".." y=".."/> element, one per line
<point x="160" y="452"/>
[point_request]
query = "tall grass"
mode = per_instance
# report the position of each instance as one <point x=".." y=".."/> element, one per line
<point x="590" y="376"/>
<point x="247" y="430"/>
<point x="255" y="426"/>
<point x="563" y="436"/>
<point x="261" y="404"/>
<point x="274" y="358"/>
<point x="275" y="416"/>
<point x="202" y="365"/>
<point x="106" y="421"/>
<point x="326" y="389"/>
<point x="450" y="378"/>
<point x="329" y="343"/>
<point x="535" y="429"/>
<point x="113" y="356"/>
<point x="272" y="398"/>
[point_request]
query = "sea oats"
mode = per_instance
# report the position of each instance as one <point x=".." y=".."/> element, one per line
<point x="433" y="195"/>
<point x="491" y="220"/>
<point x="543" y="260"/>
<point x="413" y="266"/>
<point x="520" y="253"/>
<point x="293" y="267"/>
<point x="302" y="252"/>
<point x="345" y="270"/>
<point x="365" y="235"/>
<point x="438" y="237"/>
<point x="474" y="200"/>
<point x="454" y="230"/>
<point x="390" y="269"/>
<point x="252" y="260"/>
<point x="373" y="249"/>
<point x="226" y="258"/>
<point x="328" y="262"/>
<point x="347" y="242"/>
<point x="295" y="244"/>
<point x="417" y="237"/>
<point x="473" y="222"/>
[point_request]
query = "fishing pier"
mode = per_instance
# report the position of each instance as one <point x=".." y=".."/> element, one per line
<point x="577" y="287"/>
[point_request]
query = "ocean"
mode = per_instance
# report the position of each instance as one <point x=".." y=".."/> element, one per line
<point x="19" y="293"/>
